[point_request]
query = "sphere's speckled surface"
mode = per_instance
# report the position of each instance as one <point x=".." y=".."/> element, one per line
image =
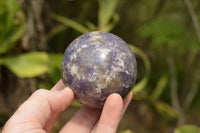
<point x="97" y="64"/>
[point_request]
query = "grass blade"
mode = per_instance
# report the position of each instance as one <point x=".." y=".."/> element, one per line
<point x="69" y="23"/>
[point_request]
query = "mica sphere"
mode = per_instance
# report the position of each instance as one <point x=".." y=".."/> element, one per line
<point x="97" y="64"/>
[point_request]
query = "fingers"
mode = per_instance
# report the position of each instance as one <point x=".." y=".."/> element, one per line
<point x="126" y="102"/>
<point x="82" y="122"/>
<point x="50" y="102"/>
<point x="59" y="86"/>
<point x="49" y="124"/>
<point x="112" y="112"/>
<point x="34" y="113"/>
<point x="85" y="120"/>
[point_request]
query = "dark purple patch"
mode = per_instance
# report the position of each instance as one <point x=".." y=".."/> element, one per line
<point x="95" y="76"/>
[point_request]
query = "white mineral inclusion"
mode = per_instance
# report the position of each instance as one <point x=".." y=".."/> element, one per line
<point x="103" y="56"/>
<point x="104" y="53"/>
<point x="96" y="37"/>
<point x="97" y="64"/>
<point x="74" y="70"/>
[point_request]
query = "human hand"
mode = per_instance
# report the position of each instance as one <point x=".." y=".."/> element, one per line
<point x="40" y="111"/>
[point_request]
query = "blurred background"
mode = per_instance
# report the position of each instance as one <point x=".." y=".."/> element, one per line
<point x="163" y="34"/>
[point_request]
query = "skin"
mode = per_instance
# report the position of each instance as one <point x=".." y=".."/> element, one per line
<point x="39" y="113"/>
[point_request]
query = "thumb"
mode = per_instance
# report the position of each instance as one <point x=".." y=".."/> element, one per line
<point x="39" y="107"/>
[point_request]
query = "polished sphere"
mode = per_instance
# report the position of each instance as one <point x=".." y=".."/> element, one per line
<point x="97" y="64"/>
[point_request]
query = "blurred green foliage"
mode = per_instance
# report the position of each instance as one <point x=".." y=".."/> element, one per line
<point x="12" y="24"/>
<point x="127" y="131"/>
<point x="161" y="33"/>
<point x="187" y="129"/>
<point x="27" y="65"/>
<point x="12" y="28"/>
<point x="169" y="32"/>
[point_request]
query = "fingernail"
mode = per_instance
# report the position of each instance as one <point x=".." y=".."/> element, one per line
<point x="66" y="89"/>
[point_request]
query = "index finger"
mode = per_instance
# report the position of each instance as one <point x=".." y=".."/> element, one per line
<point x="112" y="112"/>
<point x="58" y="86"/>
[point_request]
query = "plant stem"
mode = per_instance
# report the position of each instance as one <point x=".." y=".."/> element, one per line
<point x="193" y="17"/>
<point x="193" y="91"/>
<point x="174" y="90"/>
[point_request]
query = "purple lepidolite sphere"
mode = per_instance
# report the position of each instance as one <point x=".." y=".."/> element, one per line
<point x="97" y="64"/>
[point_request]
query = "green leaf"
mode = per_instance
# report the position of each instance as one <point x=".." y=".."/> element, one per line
<point x="76" y="104"/>
<point x="55" y="67"/>
<point x="12" y="24"/>
<point x="165" y="109"/>
<point x="69" y="23"/>
<point x="112" y="24"/>
<point x="187" y="129"/>
<point x="106" y="11"/>
<point x="169" y="32"/>
<point x="55" y="60"/>
<point x="127" y="131"/>
<point x="91" y="26"/>
<point x="55" y="31"/>
<point x="159" y="88"/>
<point x="27" y="65"/>
<point x="163" y="31"/>
<point x="141" y="85"/>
